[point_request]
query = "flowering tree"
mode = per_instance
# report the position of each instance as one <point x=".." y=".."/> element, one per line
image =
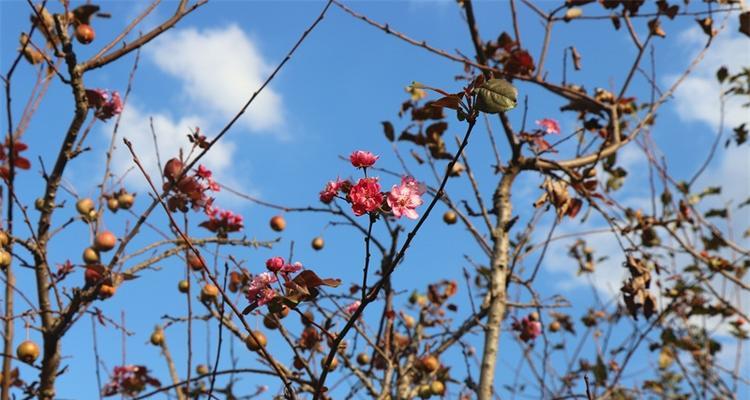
<point x="386" y="338"/>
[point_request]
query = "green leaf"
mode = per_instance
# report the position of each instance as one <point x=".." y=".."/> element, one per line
<point x="496" y="96"/>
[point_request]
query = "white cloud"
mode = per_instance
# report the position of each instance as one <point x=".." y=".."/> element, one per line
<point x="171" y="135"/>
<point x="697" y="97"/>
<point x="219" y="70"/>
<point x="697" y="101"/>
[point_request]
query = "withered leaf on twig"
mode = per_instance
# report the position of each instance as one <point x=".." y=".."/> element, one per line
<point x="654" y="27"/>
<point x="745" y="23"/>
<point x="388" y="131"/>
<point x="576" y="58"/>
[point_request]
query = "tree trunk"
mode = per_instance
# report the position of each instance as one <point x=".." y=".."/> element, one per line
<point x="50" y="364"/>
<point x="497" y="298"/>
<point x="10" y="282"/>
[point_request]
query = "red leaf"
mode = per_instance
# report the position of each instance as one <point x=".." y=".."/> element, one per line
<point x="22" y="163"/>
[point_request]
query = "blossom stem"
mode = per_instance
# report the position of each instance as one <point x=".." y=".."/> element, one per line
<point x="366" y="268"/>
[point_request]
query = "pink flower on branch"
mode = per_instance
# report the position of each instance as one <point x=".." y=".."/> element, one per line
<point x="405" y="198"/>
<point x="365" y="196"/>
<point x="259" y="292"/>
<point x="275" y="264"/>
<point x="549" y="125"/>
<point x="332" y="189"/>
<point x="351" y="308"/>
<point x="291" y="268"/>
<point x="105" y="104"/>
<point x="363" y="159"/>
<point x="528" y="327"/>
<point x="221" y="221"/>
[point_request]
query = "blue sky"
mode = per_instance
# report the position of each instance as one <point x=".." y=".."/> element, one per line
<point x="329" y="100"/>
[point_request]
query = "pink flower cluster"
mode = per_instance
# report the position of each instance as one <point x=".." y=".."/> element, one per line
<point x="549" y="125"/>
<point x="366" y="196"/>
<point x="206" y="175"/>
<point x="221" y="221"/>
<point x="333" y="188"/>
<point x="259" y="292"/>
<point x="279" y="265"/>
<point x="129" y="380"/>
<point x="190" y="190"/>
<point x="106" y="104"/>
<point x="528" y="327"/>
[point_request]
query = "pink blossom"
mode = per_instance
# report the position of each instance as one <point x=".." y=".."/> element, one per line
<point x="363" y="159"/>
<point x="291" y="268"/>
<point x="275" y="264"/>
<point x="265" y="296"/>
<point x="105" y="104"/>
<point x="549" y="125"/>
<point x="203" y="172"/>
<point x="351" y="308"/>
<point x="332" y="189"/>
<point x="365" y="196"/>
<point x="528" y="328"/>
<point x="221" y="221"/>
<point x="405" y="198"/>
<point x="259" y="292"/>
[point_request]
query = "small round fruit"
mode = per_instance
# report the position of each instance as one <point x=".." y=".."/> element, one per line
<point x="307" y="318"/>
<point x="157" y="338"/>
<point x="39" y="204"/>
<point x="92" y="215"/>
<point x="4" y="239"/>
<point x="437" y="388"/>
<point x="363" y="359"/>
<point x="379" y="362"/>
<point x="429" y="363"/>
<point x="201" y="369"/>
<point x="183" y="286"/>
<point x="84" y="206"/>
<point x="278" y="223"/>
<point x="298" y="363"/>
<point x="5" y="259"/>
<point x="91" y="276"/>
<point x="85" y="34"/>
<point x="332" y="366"/>
<point x="113" y="204"/>
<point x="318" y="243"/>
<point x="534" y="316"/>
<point x="173" y="169"/>
<point x="195" y="262"/>
<point x="283" y="313"/>
<point x="450" y="217"/>
<point x="425" y="392"/>
<point x="105" y="241"/>
<point x="554" y="326"/>
<point x="90" y="256"/>
<point x="125" y="200"/>
<point x="27" y="351"/>
<point x="409" y="321"/>
<point x="209" y="292"/>
<point x="106" y="291"/>
<point x="255" y="341"/>
<point x="270" y="322"/>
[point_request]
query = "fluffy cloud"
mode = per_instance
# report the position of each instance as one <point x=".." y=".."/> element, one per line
<point x="171" y="136"/>
<point x="219" y="69"/>
<point x="696" y="99"/>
